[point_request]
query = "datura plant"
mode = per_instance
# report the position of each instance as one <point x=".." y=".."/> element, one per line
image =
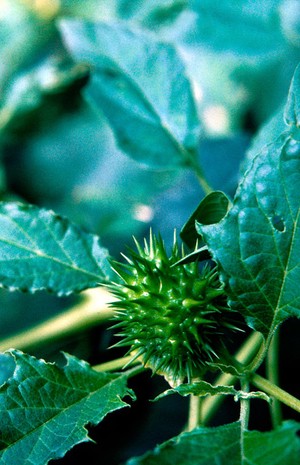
<point x="122" y="120"/>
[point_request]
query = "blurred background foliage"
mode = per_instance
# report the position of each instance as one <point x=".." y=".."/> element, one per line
<point x="58" y="152"/>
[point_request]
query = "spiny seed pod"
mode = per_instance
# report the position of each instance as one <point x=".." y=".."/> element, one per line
<point x="173" y="317"/>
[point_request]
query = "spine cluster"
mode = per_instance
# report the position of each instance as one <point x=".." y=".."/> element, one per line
<point x="173" y="317"/>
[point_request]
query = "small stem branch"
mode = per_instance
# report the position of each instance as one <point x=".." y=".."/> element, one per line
<point x="273" y="377"/>
<point x="207" y="189"/>
<point x="194" y="419"/>
<point x="276" y="392"/>
<point x="244" y="356"/>
<point x="116" y="364"/>
<point x="134" y="371"/>
<point x="259" y="356"/>
<point x="92" y="311"/>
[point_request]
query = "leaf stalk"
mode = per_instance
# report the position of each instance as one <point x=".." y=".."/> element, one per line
<point x="92" y="311"/>
<point x="276" y="392"/>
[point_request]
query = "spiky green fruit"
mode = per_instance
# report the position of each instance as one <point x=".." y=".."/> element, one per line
<point x="174" y="318"/>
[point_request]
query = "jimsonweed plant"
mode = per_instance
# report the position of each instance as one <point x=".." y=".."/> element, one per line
<point x="149" y="232"/>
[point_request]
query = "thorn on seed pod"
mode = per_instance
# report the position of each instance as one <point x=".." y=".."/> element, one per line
<point x="175" y="318"/>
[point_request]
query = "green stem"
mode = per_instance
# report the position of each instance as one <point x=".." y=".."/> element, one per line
<point x="273" y="377"/>
<point x="117" y="364"/>
<point x="244" y="405"/>
<point x="276" y="392"/>
<point x="259" y="356"/>
<point x="195" y="413"/>
<point x="244" y="356"/>
<point x="207" y="189"/>
<point x="92" y="311"/>
<point x="134" y="371"/>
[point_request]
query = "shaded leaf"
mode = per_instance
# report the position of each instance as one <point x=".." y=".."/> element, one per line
<point x="211" y="210"/>
<point x="227" y="445"/>
<point x="44" y="408"/>
<point x="275" y="447"/>
<point x="153" y="14"/>
<point x="199" y="254"/>
<point x="40" y="250"/>
<point x="141" y="87"/>
<point x="40" y="95"/>
<point x="201" y="446"/>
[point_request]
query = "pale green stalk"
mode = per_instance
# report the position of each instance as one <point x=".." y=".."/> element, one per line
<point x="92" y="311"/>
<point x="244" y="356"/>
<point x="272" y="372"/>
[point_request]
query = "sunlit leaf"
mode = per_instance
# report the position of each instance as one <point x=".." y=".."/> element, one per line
<point x="44" y="408"/>
<point x="40" y="250"/>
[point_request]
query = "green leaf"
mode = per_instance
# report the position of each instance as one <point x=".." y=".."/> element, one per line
<point x="227" y="445"/>
<point x="269" y="132"/>
<point x="256" y="27"/>
<point x="256" y="245"/>
<point x="44" y="408"/>
<point x="33" y="99"/>
<point x="211" y="210"/>
<point x="203" y="389"/>
<point x="292" y="108"/>
<point x="154" y="14"/>
<point x="7" y="367"/>
<point x="42" y="251"/>
<point x="281" y="446"/>
<point x="203" y="446"/>
<point x="199" y="254"/>
<point x="141" y="87"/>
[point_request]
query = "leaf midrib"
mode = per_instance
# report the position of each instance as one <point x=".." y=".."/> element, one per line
<point x="40" y="254"/>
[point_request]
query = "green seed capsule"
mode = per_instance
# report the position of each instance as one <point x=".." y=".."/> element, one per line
<point x="175" y="318"/>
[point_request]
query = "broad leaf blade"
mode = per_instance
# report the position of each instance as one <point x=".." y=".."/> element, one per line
<point x="44" y="408"/>
<point x="202" y="446"/>
<point x="227" y="445"/>
<point x="277" y="447"/>
<point x="141" y="87"/>
<point x="256" y="245"/>
<point x="40" y="250"/>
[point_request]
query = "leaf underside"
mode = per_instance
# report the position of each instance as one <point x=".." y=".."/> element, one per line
<point x="44" y="408"/>
<point x="39" y="250"/>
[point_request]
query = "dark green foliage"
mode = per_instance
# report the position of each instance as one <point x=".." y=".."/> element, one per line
<point x="121" y="117"/>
